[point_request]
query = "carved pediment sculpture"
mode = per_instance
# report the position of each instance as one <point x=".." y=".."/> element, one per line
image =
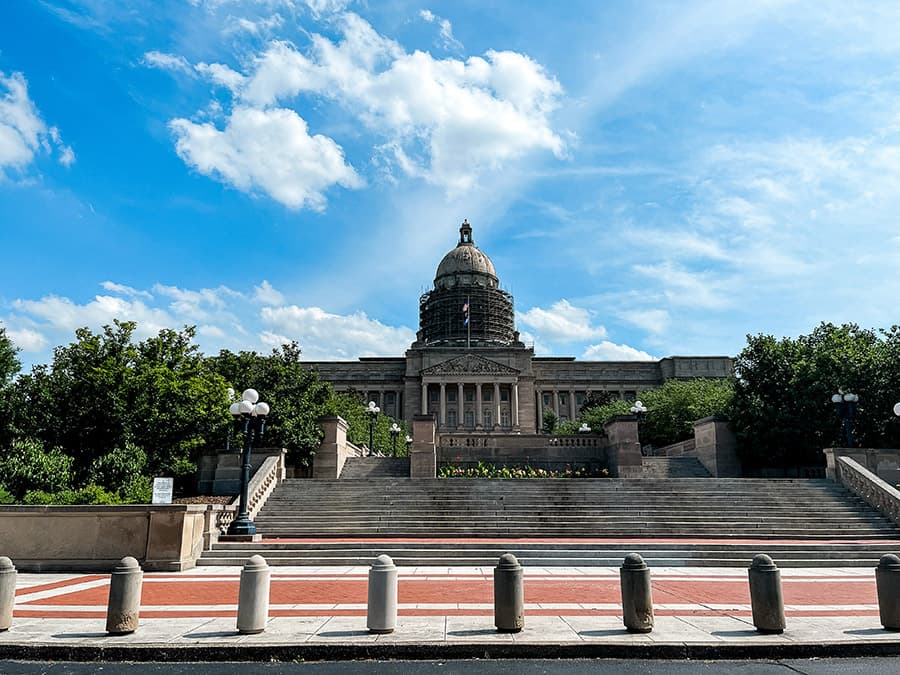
<point x="470" y="364"/>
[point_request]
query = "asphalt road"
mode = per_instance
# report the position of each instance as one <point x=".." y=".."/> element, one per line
<point x="867" y="666"/>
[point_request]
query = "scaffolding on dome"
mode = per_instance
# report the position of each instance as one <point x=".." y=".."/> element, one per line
<point x="490" y="311"/>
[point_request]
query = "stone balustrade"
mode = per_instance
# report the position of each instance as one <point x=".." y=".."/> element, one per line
<point x="869" y="487"/>
<point x="263" y="482"/>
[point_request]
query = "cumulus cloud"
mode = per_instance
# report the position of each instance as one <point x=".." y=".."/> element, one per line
<point x="266" y="294"/>
<point x="610" y="351"/>
<point x="443" y="120"/>
<point x="266" y="150"/>
<point x="29" y="341"/>
<point x="225" y="319"/>
<point x="323" y="335"/>
<point x="651" y="320"/>
<point x="23" y="133"/>
<point x="563" y="322"/>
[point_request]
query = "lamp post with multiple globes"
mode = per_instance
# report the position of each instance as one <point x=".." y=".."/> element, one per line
<point x="251" y="413"/>
<point x="395" y="433"/>
<point x="372" y="411"/>
<point x="845" y="407"/>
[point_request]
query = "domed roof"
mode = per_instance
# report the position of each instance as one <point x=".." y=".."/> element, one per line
<point x="466" y="258"/>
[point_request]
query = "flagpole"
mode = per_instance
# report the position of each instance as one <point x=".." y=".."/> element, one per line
<point x="469" y="323"/>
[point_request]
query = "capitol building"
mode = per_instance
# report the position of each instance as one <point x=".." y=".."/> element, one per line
<point x="469" y="368"/>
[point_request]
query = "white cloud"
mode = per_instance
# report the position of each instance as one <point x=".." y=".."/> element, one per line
<point x="164" y="61"/>
<point x="221" y="74"/>
<point x="610" y="351"/>
<point x="563" y="322"/>
<point x="323" y="335"/>
<point x="651" y="320"/>
<point x="122" y="289"/>
<point x="448" y="41"/>
<point x="23" y="133"/>
<point x="28" y="340"/>
<point x="269" y="150"/>
<point x="445" y="120"/>
<point x="266" y="294"/>
<point x="683" y="286"/>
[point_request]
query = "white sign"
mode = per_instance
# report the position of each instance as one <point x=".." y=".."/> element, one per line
<point x="162" y="490"/>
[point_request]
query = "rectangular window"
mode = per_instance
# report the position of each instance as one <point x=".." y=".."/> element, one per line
<point x="564" y="399"/>
<point x="451" y="418"/>
<point x="630" y="395"/>
<point x="470" y="419"/>
<point x="504" y="418"/>
<point x="579" y="399"/>
<point x="504" y="394"/>
<point x="546" y="400"/>
<point x="487" y="395"/>
<point x="488" y="419"/>
<point x="434" y="395"/>
<point x="451" y="396"/>
<point x="470" y="395"/>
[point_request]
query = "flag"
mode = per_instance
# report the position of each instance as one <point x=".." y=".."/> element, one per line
<point x="466" y="314"/>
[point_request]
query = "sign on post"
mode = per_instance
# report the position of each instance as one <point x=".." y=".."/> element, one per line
<point x="162" y="490"/>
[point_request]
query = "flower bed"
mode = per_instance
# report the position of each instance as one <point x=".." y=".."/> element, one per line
<point x="483" y="470"/>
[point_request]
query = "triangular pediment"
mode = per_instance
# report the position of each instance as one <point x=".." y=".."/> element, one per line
<point x="469" y="364"/>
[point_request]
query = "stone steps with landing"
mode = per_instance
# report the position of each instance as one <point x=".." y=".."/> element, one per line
<point x="673" y="467"/>
<point x="375" y="467"/>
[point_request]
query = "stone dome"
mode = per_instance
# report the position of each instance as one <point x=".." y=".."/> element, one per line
<point x="465" y="262"/>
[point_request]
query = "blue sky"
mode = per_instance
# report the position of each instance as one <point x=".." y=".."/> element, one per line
<point x="649" y="178"/>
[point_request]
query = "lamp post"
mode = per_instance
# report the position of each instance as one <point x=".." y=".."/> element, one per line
<point x="845" y="407"/>
<point x="409" y="442"/>
<point x="638" y="410"/>
<point x="252" y="412"/>
<point x="897" y="409"/>
<point x="395" y="433"/>
<point x="584" y="428"/>
<point x="372" y="411"/>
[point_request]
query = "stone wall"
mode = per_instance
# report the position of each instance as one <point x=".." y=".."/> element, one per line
<point x="535" y="450"/>
<point x="883" y="462"/>
<point x="166" y="538"/>
<point x="716" y="447"/>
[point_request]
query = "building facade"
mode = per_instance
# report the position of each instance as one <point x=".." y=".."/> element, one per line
<point x="470" y="369"/>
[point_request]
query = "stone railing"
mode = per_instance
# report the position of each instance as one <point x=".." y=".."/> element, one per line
<point x="681" y="449"/>
<point x="215" y="522"/>
<point x="262" y="484"/>
<point x="870" y="487"/>
<point x="524" y="441"/>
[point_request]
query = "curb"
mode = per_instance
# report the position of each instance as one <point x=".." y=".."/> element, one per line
<point x="425" y="651"/>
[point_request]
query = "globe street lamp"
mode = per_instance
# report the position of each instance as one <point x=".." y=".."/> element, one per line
<point x="845" y="407"/>
<point x="395" y="432"/>
<point x="638" y="410"/>
<point x="897" y="409"/>
<point x="409" y="442"/>
<point x="584" y="428"/>
<point x="252" y="412"/>
<point x="372" y="411"/>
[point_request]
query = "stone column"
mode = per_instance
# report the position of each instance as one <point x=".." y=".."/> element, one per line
<point x="460" y="407"/>
<point x="423" y="457"/>
<point x="556" y="403"/>
<point x="424" y="398"/>
<point x="572" y="404"/>
<point x="496" y="404"/>
<point x="623" y="449"/>
<point x="332" y="453"/>
<point x="540" y="410"/>
<point x="443" y="423"/>
<point x="479" y="423"/>
<point x="514" y="403"/>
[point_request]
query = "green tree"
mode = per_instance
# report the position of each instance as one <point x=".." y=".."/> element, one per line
<point x="9" y="367"/>
<point x="549" y="421"/>
<point x="597" y="417"/>
<point x="782" y="411"/>
<point x="673" y="408"/>
<point x="298" y="397"/>
<point x="351" y="408"/>
<point x="27" y="466"/>
<point x="104" y="392"/>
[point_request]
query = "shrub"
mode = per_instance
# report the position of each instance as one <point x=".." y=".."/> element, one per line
<point x="483" y="470"/>
<point x="6" y="497"/>
<point x="27" y="467"/>
<point x="118" y="469"/>
<point x="138" y="491"/>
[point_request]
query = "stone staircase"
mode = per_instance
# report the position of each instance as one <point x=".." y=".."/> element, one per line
<point x="583" y="522"/>
<point x="375" y="467"/>
<point x="673" y="467"/>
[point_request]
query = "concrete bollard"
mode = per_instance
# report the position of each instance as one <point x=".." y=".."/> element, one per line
<point x="124" y="597"/>
<point x="509" y="595"/>
<point x="382" y="605"/>
<point x="7" y="592"/>
<point x="253" y="596"/>
<point x="887" y="581"/>
<point x="637" y="597"/>
<point x="765" y="595"/>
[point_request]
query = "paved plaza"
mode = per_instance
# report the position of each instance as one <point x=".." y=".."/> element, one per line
<point x="441" y="608"/>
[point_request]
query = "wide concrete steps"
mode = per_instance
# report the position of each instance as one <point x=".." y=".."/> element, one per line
<point x="821" y="520"/>
<point x="606" y="554"/>
<point x="673" y="467"/>
<point x="375" y="467"/>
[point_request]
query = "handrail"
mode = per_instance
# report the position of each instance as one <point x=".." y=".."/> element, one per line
<point x="264" y="481"/>
<point x="870" y="487"/>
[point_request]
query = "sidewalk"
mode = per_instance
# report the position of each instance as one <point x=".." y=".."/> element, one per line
<point x="320" y="612"/>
